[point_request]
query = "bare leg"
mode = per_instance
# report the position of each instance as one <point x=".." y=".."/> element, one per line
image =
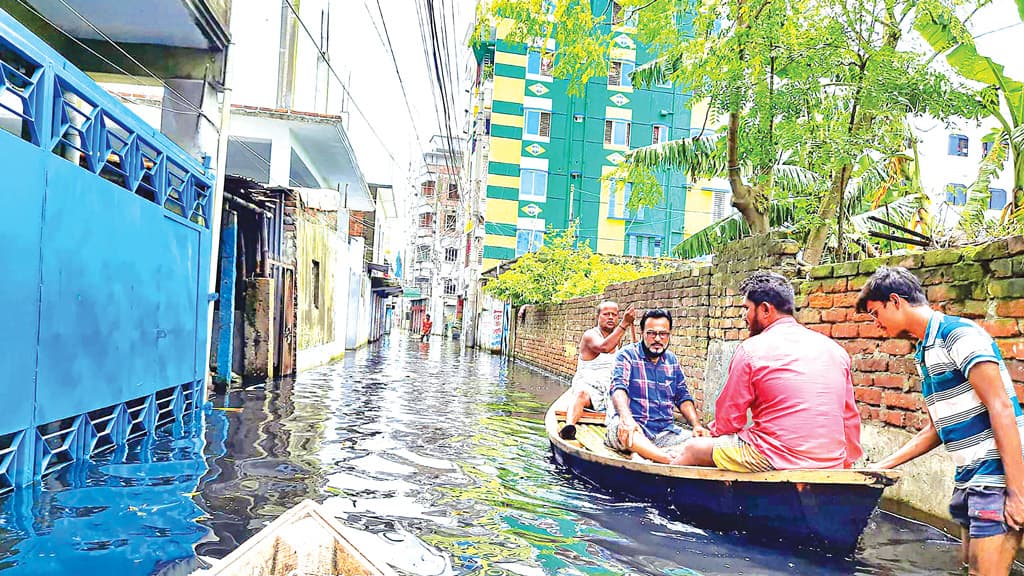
<point x="965" y="547"/>
<point x="580" y="401"/>
<point x="696" y="452"/>
<point x="647" y="449"/>
<point x="992" y="556"/>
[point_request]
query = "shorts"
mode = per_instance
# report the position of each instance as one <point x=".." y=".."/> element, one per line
<point x="979" y="509"/>
<point x="597" y="397"/>
<point x="672" y="437"/>
<point x="732" y="453"/>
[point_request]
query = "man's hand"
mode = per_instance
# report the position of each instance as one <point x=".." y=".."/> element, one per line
<point x="626" y="431"/>
<point x="629" y="316"/>
<point x="700" y="431"/>
<point x="1013" y="510"/>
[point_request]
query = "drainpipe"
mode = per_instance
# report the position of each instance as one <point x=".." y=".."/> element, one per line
<point x="218" y="204"/>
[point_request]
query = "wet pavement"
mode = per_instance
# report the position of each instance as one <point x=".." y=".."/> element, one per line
<point x="437" y="457"/>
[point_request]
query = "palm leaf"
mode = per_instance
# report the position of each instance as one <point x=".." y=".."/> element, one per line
<point x="731" y="228"/>
<point x="792" y="179"/>
<point x="900" y="211"/>
<point x="657" y="71"/>
<point x="700" y="157"/>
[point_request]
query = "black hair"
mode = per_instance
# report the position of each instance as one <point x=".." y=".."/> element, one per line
<point x="656" y="313"/>
<point x="889" y="280"/>
<point x="773" y="288"/>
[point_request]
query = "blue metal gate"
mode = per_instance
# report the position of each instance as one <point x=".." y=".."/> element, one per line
<point x="104" y="267"/>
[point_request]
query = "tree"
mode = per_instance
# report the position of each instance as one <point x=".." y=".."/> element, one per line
<point x="810" y="90"/>
<point x="1001" y="98"/>
<point x="558" y="272"/>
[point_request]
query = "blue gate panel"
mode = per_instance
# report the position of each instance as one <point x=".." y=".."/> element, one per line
<point x="22" y="167"/>
<point x="119" y="281"/>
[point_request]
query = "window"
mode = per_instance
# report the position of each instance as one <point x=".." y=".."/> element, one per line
<point x="640" y="211"/>
<point x="427" y="189"/>
<point x="616" y="132"/>
<point x="315" y="270"/>
<point x="538" y="123"/>
<point x="621" y="16"/>
<point x="528" y="241"/>
<point x="449" y="287"/>
<point x="538" y="64"/>
<point x="986" y="147"/>
<point x="643" y="246"/>
<point x="533" y="185"/>
<point x="659" y="134"/>
<point x="958" y="145"/>
<point x="618" y="73"/>
<point x="423" y="253"/>
<point x="453" y="192"/>
<point x="720" y="204"/>
<point x="427" y="220"/>
<point x="996" y="199"/>
<point x="451" y="221"/>
<point x="956" y="194"/>
<point x="451" y="254"/>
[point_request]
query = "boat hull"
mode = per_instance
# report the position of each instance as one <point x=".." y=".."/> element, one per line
<point x="827" y="517"/>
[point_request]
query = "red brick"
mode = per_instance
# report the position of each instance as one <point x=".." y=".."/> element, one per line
<point x="808" y="316"/>
<point x="1011" y="308"/>
<point x="900" y="400"/>
<point x="1000" y="328"/>
<point x="875" y="413"/>
<point x="1016" y="370"/>
<point x="905" y="366"/>
<point x="895" y="347"/>
<point x="834" y="315"/>
<point x="868" y="395"/>
<point x="916" y="421"/>
<point x="870" y="364"/>
<point x="838" y="285"/>
<point x="860" y="379"/>
<point x="1012" y="349"/>
<point x="819" y="300"/>
<point x="865" y="413"/>
<point x="889" y="380"/>
<point x="847" y="300"/>
<point x="1019" y="389"/>
<point x="855" y="317"/>
<point x="854" y="347"/>
<point x="844" y="331"/>
<point x="825" y="329"/>
<point x="870" y="331"/>
<point x="893" y="417"/>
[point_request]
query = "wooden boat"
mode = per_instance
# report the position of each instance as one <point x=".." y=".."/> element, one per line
<point x="820" y="509"/>
<point x="303" y="540"/>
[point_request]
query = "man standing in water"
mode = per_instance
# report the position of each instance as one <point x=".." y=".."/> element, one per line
<point x="425" y="328"/>
<point x="973" y="410"/>
<point x="594" y="364"/>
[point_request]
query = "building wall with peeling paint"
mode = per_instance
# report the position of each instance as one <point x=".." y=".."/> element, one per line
<point x="317" y="247"/>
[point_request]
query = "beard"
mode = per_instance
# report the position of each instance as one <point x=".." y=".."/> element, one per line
<point x="651" y="353"/>
<point x="756" y="327"/>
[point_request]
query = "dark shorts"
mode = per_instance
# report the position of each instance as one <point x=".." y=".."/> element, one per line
<point x="979" y="510"/>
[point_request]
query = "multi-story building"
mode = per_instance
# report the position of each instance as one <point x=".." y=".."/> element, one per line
<point x="551" y="153"/>
<point x="438" y="244"/>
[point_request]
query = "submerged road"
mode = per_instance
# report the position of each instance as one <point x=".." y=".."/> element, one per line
<point x="438" y="458"/>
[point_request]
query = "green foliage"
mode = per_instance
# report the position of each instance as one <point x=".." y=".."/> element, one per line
<point x="558" y="271"/>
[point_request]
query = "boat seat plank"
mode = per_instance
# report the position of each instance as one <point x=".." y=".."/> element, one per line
<point x="592" y="438"/>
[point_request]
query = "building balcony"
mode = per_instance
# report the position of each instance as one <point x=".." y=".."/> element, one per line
<point x="181" y="39"/>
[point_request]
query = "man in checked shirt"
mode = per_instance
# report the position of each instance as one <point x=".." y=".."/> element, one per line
<point x="647" y="382"/>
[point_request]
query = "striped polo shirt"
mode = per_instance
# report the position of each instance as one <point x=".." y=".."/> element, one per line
<point x="951" y="347"/>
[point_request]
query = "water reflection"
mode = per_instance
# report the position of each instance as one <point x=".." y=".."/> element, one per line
<point x="437" y="460"/>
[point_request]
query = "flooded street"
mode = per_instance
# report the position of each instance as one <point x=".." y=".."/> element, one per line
<point x="438" y="458"/>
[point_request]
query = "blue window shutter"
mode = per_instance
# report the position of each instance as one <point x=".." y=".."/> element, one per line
<point x="533" y="62"/>
<point x="612" y="186"/>
<point x="997" y="199"/>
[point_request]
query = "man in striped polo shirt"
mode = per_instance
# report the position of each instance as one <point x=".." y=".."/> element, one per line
<point x="973" y="411"/>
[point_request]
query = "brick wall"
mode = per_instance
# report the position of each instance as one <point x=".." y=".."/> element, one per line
<point x="984" y="283"/>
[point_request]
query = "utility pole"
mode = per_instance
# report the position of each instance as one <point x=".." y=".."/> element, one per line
<point x="476" y="166"/>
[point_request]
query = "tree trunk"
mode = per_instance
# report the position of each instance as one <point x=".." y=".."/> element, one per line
<point x="744" y="197"/>
<point x="815" y="246"/>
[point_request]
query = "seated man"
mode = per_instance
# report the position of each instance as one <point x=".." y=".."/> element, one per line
<point x="647" y="382"/>
<point x="797" y="385"/>
<point x="594" y="367"/>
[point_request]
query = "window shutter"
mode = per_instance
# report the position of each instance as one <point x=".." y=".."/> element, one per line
<point x="607" y="131"/>
<point x="628" y="125"/>
<point x="546" y="64"/>
<point x="614" y="74"/>
<point x="655" y="135"/>
<point x="545" y="124"/>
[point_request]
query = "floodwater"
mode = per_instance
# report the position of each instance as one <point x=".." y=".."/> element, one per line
<point x="437" y="458"/>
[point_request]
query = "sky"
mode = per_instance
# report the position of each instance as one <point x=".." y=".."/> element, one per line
<point x="379" y="112"/>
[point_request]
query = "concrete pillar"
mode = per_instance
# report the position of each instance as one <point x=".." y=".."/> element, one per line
<point x="179" y="120"/>
<point x="225" y="337"/>
<point x="260" y="320"/>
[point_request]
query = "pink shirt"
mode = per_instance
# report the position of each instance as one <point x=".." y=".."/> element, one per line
<point x="797" y="386"/>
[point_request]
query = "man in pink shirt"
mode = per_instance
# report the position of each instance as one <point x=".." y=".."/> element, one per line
<point x="795" y="383"/>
